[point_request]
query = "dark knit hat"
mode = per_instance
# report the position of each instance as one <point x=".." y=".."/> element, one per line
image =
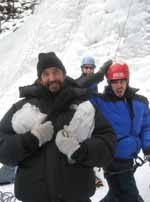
<point x="46" y="60"/>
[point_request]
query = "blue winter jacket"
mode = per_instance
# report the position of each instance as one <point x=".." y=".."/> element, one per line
<point x="94" y="87"/>
<point x="130" y="119"/>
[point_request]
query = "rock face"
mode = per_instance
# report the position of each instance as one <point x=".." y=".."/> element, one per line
<point x="14" y="12"/>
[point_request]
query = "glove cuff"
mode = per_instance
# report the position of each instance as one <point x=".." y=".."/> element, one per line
<point x="72" y="151"/>
<point x="146" y="151"/>
<point x="80" y="154"/>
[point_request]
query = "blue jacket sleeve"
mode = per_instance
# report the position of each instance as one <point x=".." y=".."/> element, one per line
<point x="145" y="133"/>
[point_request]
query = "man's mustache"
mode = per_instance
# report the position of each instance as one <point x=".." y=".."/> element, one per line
<point x="53" y="82"/>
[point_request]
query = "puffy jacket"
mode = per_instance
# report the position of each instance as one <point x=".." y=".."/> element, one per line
<point x="90" y="81"/>
<point x="44" y="173"/>
<point x="130" y="119"/>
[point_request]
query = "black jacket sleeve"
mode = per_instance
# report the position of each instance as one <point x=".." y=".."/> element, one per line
<point x="99" y="149"/>
<point x="14" y="147"/>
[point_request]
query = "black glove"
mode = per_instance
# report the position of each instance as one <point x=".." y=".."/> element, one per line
<point x="147" y="157"/>
<point x="105" y="67"/>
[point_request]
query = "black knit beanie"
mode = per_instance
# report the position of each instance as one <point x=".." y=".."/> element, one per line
<point x="46" y="60"/>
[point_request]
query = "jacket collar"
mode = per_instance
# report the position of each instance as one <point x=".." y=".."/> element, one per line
<point x="130" y="92"/>
<point x="38" y="90"/>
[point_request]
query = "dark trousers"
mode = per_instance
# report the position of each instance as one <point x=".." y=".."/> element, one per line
<point x="121" y="182"/>
<point x="80" y="200"/>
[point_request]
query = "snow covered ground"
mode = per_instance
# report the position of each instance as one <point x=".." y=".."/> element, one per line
<point x="104" y="29"/>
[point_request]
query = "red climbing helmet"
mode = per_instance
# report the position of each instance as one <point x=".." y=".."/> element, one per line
<point x="118" y="71"/>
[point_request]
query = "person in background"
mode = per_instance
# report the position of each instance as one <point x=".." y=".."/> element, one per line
<point x="88" y="78"/>
<point x="55" y="137"/>
<point x="129" y="115"/>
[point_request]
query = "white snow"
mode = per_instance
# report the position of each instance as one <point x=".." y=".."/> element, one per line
<point x="104" y="29"/>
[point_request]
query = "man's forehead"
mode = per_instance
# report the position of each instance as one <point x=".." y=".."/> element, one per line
<point x="118" y="80"/>
<point x="88" y="65"/>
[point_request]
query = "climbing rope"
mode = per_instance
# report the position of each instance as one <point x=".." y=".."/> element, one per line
<point x="123" y="30"/>
<point x="138" y="162"/>
<point x="147" y="23"/>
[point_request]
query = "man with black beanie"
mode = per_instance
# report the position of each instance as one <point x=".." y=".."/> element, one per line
<point x="49" y="60"/>
<point x="55" y="137"/>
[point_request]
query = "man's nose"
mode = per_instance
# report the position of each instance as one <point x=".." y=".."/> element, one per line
<point x="119" y="85"/>
<point x="51" y="77"/>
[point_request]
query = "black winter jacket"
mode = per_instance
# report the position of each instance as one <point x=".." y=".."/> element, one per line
<point x="86" y="81"/>
<point x="44" y="173"/>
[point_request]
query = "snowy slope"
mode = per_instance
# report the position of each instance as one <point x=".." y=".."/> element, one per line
<point x="104" y="29"/>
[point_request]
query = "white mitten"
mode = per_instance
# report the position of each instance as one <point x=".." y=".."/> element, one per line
<point x="44" y="132"/>
<point x="66" y="144"/>
<point x="25" y="118"/>
<point x="82" y="124"/>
